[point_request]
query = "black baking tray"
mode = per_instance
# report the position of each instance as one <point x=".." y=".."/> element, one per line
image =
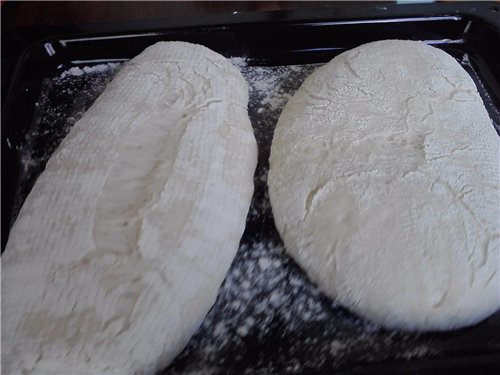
<point x="283" y="38"/>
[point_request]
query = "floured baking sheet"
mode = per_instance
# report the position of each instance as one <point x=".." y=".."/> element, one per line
<point x="268" y="318"/>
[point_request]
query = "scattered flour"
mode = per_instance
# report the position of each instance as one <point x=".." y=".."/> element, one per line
<point x="100" y="68"/>
<point x="270" y="88"/>
<point x="268" y="316"/>
<point x="239" y="62"/>
<point x="264" y="263"/>
<point x="74" y="71"/>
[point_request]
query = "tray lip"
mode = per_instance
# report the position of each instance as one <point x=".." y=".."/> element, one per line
<point x="354" y="10"/>
<point x="24" y="38"/>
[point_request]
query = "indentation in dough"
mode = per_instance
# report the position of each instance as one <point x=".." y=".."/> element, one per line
<point x="376" y="153"/>
<point x="138" y="176"/>
<point x="312" y="195"/>
<point x="350" y="69"/>
<point x="438" y="299"/>
<point x="489" y="279"/>
<point x="333" y="219"/>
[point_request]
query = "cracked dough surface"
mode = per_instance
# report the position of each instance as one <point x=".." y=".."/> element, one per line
<point x="123" y="242"/>
<point x="384" y="184"/>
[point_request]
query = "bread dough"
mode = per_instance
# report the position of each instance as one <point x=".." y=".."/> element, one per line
<point x="121" y="246"/>
<point x="384" y="183"/>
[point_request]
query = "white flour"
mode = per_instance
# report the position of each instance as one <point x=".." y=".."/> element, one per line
<point x="239" y="62"/>
<point x="100" y="68"/>
<point x="266" y="301"/>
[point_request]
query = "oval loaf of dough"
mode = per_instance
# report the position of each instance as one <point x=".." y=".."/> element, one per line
<point x="384" y="183"/>
<point x="121" y="246"/>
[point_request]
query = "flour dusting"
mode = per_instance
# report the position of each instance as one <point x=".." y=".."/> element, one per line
<point x="79" y="71"/>
<point x="239" y="62"/>
<point x="268" y="316"/>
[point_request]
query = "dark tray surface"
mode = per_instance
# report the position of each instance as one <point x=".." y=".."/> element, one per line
<point x="296" y="328"/>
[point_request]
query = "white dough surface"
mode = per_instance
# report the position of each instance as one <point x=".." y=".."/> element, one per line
<point x="124" y="240"/>
<point x="384" y="183"/>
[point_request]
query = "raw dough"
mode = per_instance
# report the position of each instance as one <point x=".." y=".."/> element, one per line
<point x="120" y="248"/>
<point x="384" y="183"/>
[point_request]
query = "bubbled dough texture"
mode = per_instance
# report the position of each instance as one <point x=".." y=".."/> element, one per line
<point x="384" y="183"/>
<point x="121" y="246"/>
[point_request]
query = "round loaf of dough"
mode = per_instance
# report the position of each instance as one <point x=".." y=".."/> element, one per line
<point x="384" y="183"/>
